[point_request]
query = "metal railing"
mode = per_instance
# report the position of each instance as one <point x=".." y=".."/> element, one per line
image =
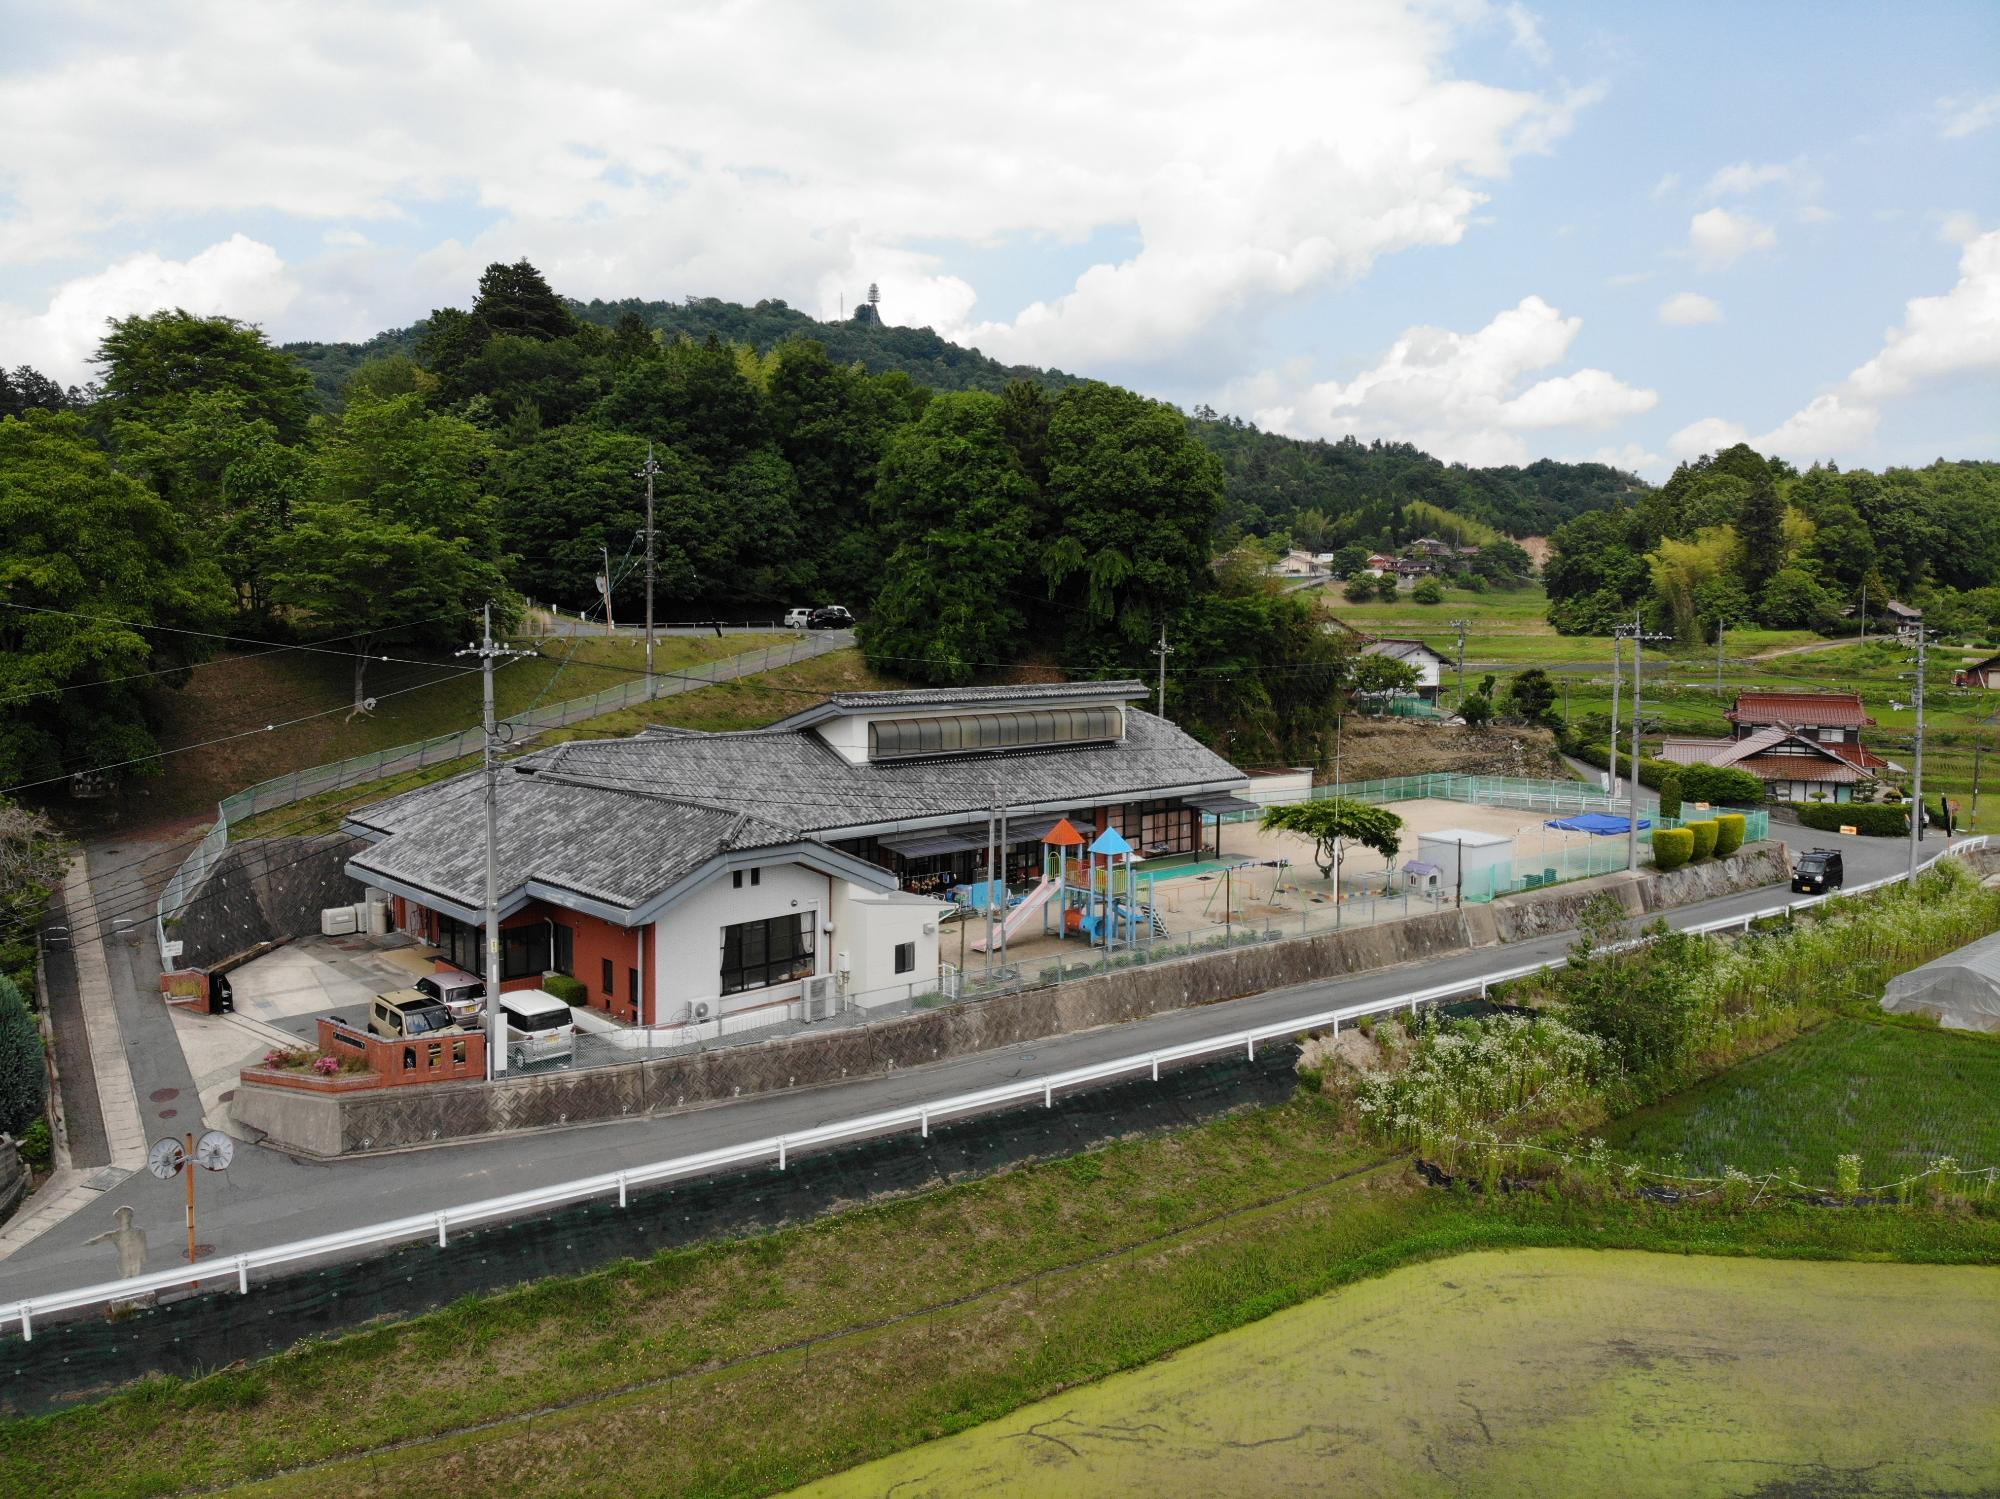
<point x="441" y="749"/>
<point x="780" y="1148"/>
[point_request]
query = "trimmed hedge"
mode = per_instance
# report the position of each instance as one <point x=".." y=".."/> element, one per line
<point x="23" y="1073"/>
<point x="1721" y="784"/>
<point x="1670" y="794"/>
<point x="1672" y="847"/>
<point x="569" y="990"/>
<point x="1704" y="834"/>
<point x="1729" y="830"/>
<point x="1874" y="821"/>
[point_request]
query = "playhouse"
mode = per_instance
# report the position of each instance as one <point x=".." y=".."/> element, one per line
<point x="1467" y="860"/>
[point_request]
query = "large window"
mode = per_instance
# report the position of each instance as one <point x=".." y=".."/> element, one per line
<point x="757" y="953"/>
<point x="525" y="951"/>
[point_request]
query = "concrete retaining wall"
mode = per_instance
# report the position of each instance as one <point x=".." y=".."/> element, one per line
<point x="355" y="1123"/>
<point x="264" y="890"/>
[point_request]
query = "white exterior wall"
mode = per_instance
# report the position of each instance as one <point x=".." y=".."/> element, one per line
<point x="1280" y="790"/>
<point x="867" y="927"/>
<point x="1482" y="852"/>
<point x="688" y="937"/>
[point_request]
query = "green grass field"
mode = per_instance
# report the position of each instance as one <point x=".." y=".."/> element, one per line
<point x="1897" y="1095"/>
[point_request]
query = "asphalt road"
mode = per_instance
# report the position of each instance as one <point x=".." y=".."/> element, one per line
<point x="267" y="1198"/>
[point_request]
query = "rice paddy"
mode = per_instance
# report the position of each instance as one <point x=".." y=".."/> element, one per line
<point x="1897" y="1096"/>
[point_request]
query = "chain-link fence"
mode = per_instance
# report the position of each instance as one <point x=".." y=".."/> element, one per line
<point x="441" y="749"/>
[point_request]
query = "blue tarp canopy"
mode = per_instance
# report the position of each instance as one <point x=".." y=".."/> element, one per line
<point x="1596" y="822"/>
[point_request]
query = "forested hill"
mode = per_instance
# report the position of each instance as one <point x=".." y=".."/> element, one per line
<point x="1320" y="494"/>
<point x="877" y="347"/>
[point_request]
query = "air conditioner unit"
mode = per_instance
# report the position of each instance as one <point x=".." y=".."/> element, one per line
<point x="336" y="921"/>
<point x="819" y="997"/>
<point x="701" y="1010"/>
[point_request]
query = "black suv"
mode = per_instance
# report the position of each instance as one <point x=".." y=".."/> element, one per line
<point x="1818" y="871"/>
<point x="832" y="617"/>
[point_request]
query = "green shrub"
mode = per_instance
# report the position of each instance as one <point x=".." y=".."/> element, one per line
<point x="1704" y="838"/>
<point x="1721" y="784"/>
<point x="1873" y="821"/>
<point x="1427" y="592"/>
<point x="38" y="1146"/>
<point x="570" y="991"/>
<point x="1672" y="847"/>
<point x="23" y="1075"/>
<point x="1670" y="794"/>
<point x="1729" y="830"/>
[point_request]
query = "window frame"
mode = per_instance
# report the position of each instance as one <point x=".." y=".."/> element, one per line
<point x="749" y="959"/>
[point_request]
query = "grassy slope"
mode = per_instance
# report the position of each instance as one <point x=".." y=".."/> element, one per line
<point x="745" y="703"/>
<point x="244" y="692"/>
<point x="1898" y="1095"/>
<point x="774" y="1360"/>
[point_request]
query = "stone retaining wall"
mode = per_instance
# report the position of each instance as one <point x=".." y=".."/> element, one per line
<point x="262" y="891"/>
<point x="393" y="1119"/>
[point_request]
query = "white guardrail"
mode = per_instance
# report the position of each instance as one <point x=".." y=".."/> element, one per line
<point x="780" y="1148"/>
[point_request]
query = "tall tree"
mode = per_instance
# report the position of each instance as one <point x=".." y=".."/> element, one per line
<point x="399" y="542"/>
<point x="1131" y="501"/>
<point x="516" y="300"/>
<point x="79" y="537"/>
<point x="152" y="366"/>
<point x="953" y="509"/>
<point x="1760" y="528"/>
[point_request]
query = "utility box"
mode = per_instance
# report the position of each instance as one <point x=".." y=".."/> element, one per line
<point x="337" y="921"/>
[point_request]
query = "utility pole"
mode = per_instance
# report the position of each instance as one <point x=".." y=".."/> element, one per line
<point x="1617" y="670"/>
<point x="1637" y="630"/>
<point x="1977" y="745"/>
<point x="1162" y="650"/>
<point x="488" y="653"/>
<point x="651" y="468"/>
<point x="1461" y="625"/>
<point x="1721" y="629"/>
<point x="604" y="587"/>
<point x="1920" y="637"/>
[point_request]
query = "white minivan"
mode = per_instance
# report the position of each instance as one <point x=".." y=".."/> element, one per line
<point x="539" y="1028"/>
<point x="798" y="619"/>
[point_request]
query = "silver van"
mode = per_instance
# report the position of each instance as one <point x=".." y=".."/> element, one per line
<point x="539" y="1028"/>
<point x="459" y="992"/>
<point x="797" y="619"/>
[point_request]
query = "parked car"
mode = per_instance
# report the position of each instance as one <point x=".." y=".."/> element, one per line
<point x="798" y="619"/>
<point x="831" y="617"/>
<point x="403" y="1013"/>
<point x="539" y="1028"/>
<point x="1818" y="871"/>
<point x="459" y="992"/>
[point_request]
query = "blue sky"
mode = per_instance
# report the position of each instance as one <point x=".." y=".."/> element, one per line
<point x="1502" y="231"/>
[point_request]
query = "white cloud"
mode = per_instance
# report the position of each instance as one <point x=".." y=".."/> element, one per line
<point x="1709" y="435"/>
<point x="1967" y="115"/>
<point x="1952" y="335"/>
<point x="1526" y="29"/>
<point x="1719" y="238"/>
<point x="1684" y="309"/>
<point x="1261" y="153"/>
<point x="1958" y="228"/>
<point x="1948" y="337"/>
<point x="1813" y="213"/>
<point x="1748" y="176"/>
<point x="1666" y="185"/>
<point x="240" y="276"/>
<point x="1458" y="394"/>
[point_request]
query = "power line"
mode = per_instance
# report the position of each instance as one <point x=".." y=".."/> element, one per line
<point x="133" y="624"/>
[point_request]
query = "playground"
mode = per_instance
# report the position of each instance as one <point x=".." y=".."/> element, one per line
<point x="1097" y="896"/>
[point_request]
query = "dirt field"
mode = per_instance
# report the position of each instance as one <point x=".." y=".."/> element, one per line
<point x="1533" y="1372"/>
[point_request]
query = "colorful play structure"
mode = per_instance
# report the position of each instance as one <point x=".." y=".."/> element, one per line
<point x="1091" y="891"/>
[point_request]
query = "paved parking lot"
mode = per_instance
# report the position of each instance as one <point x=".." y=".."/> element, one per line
<point x="289" y="989"/>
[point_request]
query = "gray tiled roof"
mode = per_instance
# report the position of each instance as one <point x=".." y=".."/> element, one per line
<point x="622" y="820"/>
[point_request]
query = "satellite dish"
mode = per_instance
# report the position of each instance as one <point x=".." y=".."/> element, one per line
<point x="214" y="1151"/>
<point x="165" y="1159"/>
